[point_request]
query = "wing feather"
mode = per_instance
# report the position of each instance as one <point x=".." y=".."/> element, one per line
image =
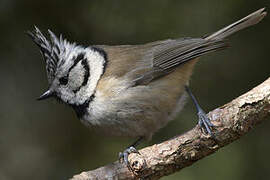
<point x="170" y="55"/>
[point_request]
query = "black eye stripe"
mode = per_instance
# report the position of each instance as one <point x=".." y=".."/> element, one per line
<point x="86" y="72"/>
<point x="86" y="75"/>
<point x="64" y="80"/>
<point x="76" y="61"/>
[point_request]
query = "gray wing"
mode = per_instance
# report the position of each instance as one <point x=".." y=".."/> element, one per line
<point x="172" y="53"/>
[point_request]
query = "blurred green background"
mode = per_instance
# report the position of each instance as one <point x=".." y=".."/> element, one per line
<point x="45" y="140"/>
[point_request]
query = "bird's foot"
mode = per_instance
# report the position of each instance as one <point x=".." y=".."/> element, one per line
<point x="123" y="156"/>
<point x="204" y="122"/>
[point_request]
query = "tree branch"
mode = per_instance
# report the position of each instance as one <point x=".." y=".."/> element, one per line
<point x="231" y="121"/>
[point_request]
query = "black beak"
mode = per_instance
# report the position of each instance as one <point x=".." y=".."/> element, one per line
<point x="46" y="95"/>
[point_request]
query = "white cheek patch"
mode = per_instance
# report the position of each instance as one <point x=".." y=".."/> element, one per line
<point x="96" y="64"/>
<point x="83" y="75"/>
<point x="65" y="94"/>
<point x="76" y="76"/>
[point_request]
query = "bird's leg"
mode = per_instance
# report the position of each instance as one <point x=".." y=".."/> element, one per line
<point x="204" y="122"/>
<point x="131" y="149"/>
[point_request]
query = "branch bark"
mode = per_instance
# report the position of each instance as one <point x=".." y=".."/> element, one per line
<point x="231" y="121"/>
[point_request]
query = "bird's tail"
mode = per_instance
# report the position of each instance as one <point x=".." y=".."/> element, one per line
<point x="247" y="21"/>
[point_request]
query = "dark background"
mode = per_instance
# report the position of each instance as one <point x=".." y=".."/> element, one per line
<point x="45" y="140"/>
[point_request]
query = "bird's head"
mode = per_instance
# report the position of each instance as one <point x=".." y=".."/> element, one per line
<point x="72" y="70"/>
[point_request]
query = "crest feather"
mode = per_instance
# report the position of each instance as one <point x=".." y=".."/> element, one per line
<point x="50" y="50"/>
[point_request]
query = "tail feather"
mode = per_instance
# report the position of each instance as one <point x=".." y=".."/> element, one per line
<point x="247" y="21"/>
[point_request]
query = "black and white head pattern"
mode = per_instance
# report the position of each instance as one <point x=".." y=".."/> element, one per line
<point x="73" y="71"/>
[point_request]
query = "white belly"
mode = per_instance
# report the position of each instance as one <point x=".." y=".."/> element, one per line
<point x="139" y="111"/>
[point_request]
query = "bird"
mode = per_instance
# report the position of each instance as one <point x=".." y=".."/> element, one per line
<point x="130" y="90"/>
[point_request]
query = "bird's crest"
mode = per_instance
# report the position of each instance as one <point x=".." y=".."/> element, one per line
<point x="51" y="50"/>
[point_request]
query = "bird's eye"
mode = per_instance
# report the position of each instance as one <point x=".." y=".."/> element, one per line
<point x="63" y="80"/>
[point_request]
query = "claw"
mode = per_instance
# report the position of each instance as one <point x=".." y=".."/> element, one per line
<point x="123" y="156"/>
<point x="204" y="122"/>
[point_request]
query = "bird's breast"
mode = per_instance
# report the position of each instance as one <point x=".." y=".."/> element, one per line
<point x="122" y="110"/>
